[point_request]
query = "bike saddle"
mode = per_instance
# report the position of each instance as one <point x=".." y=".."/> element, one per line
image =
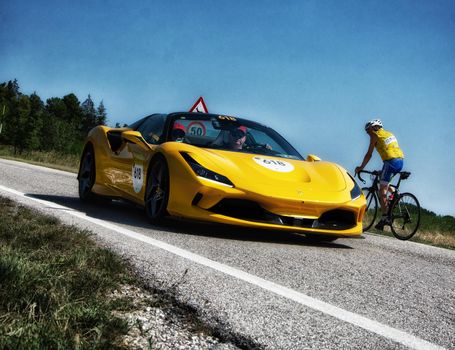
<point x="405" y="174"/>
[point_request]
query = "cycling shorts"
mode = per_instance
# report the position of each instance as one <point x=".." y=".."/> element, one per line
<point x="390" y="168"/>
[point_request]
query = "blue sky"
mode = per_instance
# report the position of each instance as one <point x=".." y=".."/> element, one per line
<point x="314" y="70"/>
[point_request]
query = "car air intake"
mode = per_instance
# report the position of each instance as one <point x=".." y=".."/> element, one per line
<point x="337" y="219"/>
<point x="240" y="209"/>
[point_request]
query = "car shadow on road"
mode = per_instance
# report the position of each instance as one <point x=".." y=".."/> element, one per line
<point x="125" y="213"/>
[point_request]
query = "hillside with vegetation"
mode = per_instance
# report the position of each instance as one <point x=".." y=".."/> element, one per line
<point x="436" y="229"/>
<point x="58" y="125"/>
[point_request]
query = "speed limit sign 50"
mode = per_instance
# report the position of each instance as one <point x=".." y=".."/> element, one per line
<point x="196" y="128"/>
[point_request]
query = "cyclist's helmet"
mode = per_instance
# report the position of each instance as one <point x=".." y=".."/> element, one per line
<point x="374" y="122"/>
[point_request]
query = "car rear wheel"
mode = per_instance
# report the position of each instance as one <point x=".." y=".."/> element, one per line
<point x="157" y="191"/>
<point x="87" y="174"/>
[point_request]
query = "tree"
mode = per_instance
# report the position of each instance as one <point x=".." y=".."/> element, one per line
<point x="88" y="115"/>
<point x="57" y="108"/>
<point x="33" y="123"/>
<point x="101" y="116"/>
<point x="117" y="125"/>
<point x="54" y="114"/>
<point x="73" y="113"/>
<point x="10" y="125"/>
<point x="3" y="108"/>
<point x="9" y="94"/>
<point x="13" y="89"/>
<point x="59" y="125"/>
<point x="21" y="131"/>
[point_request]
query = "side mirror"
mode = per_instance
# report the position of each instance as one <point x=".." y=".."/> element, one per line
<point x="132" y="136"/>
<point x="312" y="158"/>
<point x="136" y="138"/>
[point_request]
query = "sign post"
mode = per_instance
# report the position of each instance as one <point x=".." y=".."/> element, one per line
<point x="199" y="106"/>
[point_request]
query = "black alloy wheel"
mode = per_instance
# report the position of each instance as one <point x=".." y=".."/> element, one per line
<point x="157" y="191"/>
<point x="87" y="175"/>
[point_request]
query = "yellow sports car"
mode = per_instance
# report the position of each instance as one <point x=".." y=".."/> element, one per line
<point x="222" y="169"/>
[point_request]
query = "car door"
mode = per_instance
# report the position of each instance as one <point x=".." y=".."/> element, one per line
<point x="137" y="156"/>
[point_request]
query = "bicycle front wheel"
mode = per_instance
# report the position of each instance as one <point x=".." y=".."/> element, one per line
<point x="372" y="208"/>
<point x="405" y="216"/>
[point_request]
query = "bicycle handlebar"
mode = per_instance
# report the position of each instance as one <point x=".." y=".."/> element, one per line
<point x="403" y="174"/>
<point x="374" y="172"/>
<point x="360" y="177"/>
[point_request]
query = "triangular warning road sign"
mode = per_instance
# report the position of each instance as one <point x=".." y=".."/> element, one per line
<point x="199" y="106"/>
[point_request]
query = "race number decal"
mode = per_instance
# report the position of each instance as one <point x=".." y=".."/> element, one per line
<point x="138" y="177"/>
<point x="274" y="164"/>
<point x="390" y="139"/>
<point x="196" y="128"/>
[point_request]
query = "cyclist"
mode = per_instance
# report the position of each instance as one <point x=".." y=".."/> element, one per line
<point x="387" y="146"/>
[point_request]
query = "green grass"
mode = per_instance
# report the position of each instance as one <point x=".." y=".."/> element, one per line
<point x="54" y="160"/>
<point x="432" y="221"/>
<point x="54" y="282"/>
<point x="434" y="229"/>
<point x="60" y="290"/>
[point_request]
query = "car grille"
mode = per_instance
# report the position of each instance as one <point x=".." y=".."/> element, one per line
<point x="337" y="219"/>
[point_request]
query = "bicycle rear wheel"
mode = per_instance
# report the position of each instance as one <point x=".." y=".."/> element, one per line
<point x="372" y="208"/>
<point x="405" y="216"/>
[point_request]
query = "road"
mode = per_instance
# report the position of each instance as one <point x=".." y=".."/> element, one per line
<point x="270" y="289"/>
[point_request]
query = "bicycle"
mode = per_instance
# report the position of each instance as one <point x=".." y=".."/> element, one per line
<point x="403" y="209"/>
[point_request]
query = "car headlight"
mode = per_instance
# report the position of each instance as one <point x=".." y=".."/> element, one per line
<point x="356" y="191"/>
<point x="208" y="174"/>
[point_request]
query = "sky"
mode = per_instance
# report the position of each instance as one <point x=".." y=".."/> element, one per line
<point x="316" y="71"/>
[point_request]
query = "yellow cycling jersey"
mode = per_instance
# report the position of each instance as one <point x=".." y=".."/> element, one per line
<point x="387" y="145"/>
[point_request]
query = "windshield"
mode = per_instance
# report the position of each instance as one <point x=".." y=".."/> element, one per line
<point x="230" y="134"/>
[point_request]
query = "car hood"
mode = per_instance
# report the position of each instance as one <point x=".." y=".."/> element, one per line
<point x="275" y="176"/>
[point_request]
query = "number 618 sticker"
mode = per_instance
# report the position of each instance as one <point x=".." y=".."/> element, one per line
<point x="138" y="177"/>
<point x="274" y="164"/>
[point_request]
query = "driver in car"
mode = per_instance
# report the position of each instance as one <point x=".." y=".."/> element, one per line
<point x="237" y="137"/>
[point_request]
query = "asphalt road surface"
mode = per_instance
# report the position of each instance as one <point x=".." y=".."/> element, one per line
<point x="273" y="289"/>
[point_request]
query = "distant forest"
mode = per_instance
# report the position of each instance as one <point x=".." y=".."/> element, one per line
<point x="60" y="124"/>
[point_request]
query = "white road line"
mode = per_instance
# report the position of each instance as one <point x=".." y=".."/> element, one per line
<point x="394" y="334"/>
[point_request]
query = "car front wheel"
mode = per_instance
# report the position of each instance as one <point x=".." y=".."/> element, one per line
<point x="87" y="175"/>
<point x="157" y="191"/>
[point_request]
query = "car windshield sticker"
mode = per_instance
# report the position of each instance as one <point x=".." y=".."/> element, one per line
<point x="225" y="117"/>
<point x="274" y="164"/>
<point x="138" y="177"/>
